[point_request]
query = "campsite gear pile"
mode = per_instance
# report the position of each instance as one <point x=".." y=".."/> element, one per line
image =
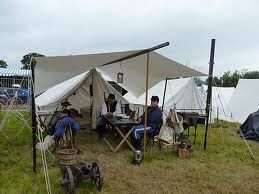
<point x="73" y="172"/>
<point x="172" y="133"/>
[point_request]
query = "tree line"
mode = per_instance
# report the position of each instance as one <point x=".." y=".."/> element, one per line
<point x="25" y="60"/>
<point x="229" y="79"/>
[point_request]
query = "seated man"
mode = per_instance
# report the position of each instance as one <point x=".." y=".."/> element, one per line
<point x="62" y="124"/>
<point x="110" y="108"/>
<point x="154" y="118"/>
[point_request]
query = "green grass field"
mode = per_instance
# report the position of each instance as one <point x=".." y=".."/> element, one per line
<point x="226" y="166"/>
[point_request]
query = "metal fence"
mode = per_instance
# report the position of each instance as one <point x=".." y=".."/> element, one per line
<point x="8" y="82"/>
<point x="18" y="96"/>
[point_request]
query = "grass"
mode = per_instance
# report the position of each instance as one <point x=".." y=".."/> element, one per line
<point x="226" y="166"/>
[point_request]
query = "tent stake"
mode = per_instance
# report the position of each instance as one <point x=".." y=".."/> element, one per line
<point x="209" y="92"/>
<point x="145" y="123"/>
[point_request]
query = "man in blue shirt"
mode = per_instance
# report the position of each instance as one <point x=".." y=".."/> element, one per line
<point x="154" y="120"/>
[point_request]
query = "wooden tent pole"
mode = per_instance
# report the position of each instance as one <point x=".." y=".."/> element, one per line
<point x="145" y="123"/>
<point x="142" y="52"/>
<point x="164" y="94"/>
<point x="209" y="92"/>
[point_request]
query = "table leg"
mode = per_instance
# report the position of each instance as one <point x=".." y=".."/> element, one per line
<point x="109" y="145"/>
<point x="123" y="140"/>
<point x="195" y="128"/>
<point x="122" y="135"/>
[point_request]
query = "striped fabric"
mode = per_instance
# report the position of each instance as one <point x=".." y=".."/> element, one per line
<point x="6" y="72"/>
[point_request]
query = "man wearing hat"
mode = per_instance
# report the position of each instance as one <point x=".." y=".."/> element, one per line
<point x="110" y="108"/>
<point x="154" y="120"/>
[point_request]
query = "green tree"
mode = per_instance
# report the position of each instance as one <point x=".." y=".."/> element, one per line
<point x="230" y="79"/>
<point x="27" y="58"/>
<point x="250" y="75"/>
<point x="3" y="64"/>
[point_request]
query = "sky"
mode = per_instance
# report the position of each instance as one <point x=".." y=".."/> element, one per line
<point x="65" y="27"/>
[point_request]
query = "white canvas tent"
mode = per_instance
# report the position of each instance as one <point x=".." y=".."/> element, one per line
<point x="77" y="91"/>
<point x="188" y="98"/>
<point x="220" y="99"/>
<point x="183" y="93"/>
<point x="50" y="71"/>
<point x="245" y="99"/>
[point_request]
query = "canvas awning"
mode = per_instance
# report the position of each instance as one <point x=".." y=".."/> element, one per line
<point x="50" y="71"/>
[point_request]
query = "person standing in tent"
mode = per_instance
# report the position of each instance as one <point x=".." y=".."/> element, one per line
<point x="110" y="108"/>
<point x="154" y="121"/>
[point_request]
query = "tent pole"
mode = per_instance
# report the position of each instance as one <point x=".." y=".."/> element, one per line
<point x="164" y="94"/>
<point x="138" y="53"/>
<point x="145" y="121"/>
<point x="209" y="92"/>
<point x="33" y="116"/>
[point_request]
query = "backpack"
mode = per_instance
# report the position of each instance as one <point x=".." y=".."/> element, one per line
<point x="53" y="121"/>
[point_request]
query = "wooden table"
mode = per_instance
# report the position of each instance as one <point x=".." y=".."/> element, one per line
<point x="118" y="125"/>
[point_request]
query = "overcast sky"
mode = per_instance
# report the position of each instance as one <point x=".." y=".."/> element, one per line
<point x="64" y="27"/>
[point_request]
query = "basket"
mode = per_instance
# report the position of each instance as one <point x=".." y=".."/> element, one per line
<point x="67" y="157"/>
<point x="183" y="153"/>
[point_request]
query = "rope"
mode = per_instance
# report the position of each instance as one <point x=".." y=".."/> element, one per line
<point x="19" y="116"/>
<point x="44" y="161"/>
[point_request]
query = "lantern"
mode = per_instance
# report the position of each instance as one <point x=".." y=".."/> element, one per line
<point x="120" y="77"/>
